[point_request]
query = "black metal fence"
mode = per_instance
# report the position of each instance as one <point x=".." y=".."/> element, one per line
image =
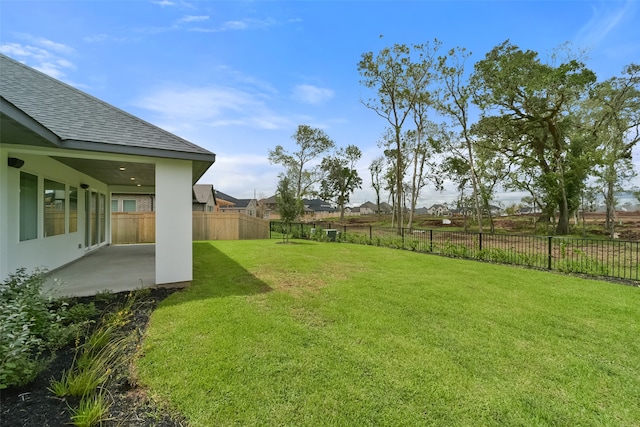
<point x="607" y="258"/>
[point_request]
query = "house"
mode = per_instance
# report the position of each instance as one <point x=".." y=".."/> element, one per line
<point x="204" y="198"/>
<point x="421" y="211"/>
<point x="438" y="210"/>
<point x="368" y="208"/>
<point x="231" y="204"/>
<point x="132" y="202"/>
<point x="63" y="153"/>
<point x="318" y="206"/>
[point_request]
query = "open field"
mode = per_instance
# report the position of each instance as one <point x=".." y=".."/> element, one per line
<point x="332" y="334"/>
<point x="627" y="225"/>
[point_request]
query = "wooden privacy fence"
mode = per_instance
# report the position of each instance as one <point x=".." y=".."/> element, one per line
<point x="228" y="226"/>
<point x="133" y="227"/>
<point x="140" y="227"/>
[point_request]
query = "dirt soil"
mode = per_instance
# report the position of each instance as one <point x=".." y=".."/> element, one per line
<point x="33" y="405"/>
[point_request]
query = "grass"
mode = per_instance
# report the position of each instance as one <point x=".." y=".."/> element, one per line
<point x="338" y="334"/>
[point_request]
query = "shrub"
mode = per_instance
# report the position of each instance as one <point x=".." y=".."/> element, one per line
<point x="28" y="325"/>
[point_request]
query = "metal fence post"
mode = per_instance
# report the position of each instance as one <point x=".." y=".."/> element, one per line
<point x="370" y="232"/>
<point x="480" y="241"/>
<point x="550" y="252"/>
<point x="430" y="240"/>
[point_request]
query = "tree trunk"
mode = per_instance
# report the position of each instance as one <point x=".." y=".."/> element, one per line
<point x="562" y="228"/>
<point x="399" y="189"/>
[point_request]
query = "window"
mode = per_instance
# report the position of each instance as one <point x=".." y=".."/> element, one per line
<point x="114" y="205"/>
<point x="54" y="207"/>
<point x="73" y="209"/>
<point x="28" y="206"/>
<point x="128" y="206"/>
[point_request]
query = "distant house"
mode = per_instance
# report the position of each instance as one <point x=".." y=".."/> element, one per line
<point x="229" y="203"/>
<point x="318" y="206"/>
<point x="204" y="199"/>
<point x="422" y="211"/>
<point x="132" y="202"/>
<point x="495" y="210"/>
<point x="439" y="210"/>
<point x="385" y="208"/>
<point x="526" y="210"/>
<point x="368" y="208"/>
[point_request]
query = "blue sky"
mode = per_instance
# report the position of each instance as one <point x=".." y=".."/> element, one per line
<point x="238" y="77"/>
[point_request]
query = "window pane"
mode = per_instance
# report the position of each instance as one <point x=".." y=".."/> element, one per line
<point x="54" y="205"/>
<point x="114" y="205"/>
<point x="28" y="206"/>
<point x="128" y="205"/>
<point x="73" y="209"/>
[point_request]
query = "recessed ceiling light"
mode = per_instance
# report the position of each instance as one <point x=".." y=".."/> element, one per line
<point x="133" y="179"/>
<point x="139" y="185"/>
<point x="122" y="168"/>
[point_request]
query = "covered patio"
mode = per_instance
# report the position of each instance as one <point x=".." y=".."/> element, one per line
<point x="114" y="268"/>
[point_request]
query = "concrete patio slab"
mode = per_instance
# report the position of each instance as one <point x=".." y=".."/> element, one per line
<point x="115" y="268"/>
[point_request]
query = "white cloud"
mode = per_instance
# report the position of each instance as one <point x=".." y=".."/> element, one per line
<point x="164" y="3"/>
<point x="194" y="18"/>
<point x="40" y="58"/>
<point x="212" y="106"/>
<point x="237" y="25"/>
<point x="57" y="47"/>
<point x="604" y="20"/>
<point x="309" y="94"/>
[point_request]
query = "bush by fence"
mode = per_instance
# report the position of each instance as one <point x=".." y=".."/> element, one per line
<point x="609" y="258"/>
<point x="140" y="227"/>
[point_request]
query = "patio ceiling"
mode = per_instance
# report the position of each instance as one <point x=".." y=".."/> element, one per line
<point x="112" y="172"/>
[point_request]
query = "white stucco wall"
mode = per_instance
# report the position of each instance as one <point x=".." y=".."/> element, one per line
<point x="174" y="254"/>
<point x="43" y="252"/>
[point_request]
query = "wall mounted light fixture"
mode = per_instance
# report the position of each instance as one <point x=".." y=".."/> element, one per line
<point x="15" y="162"/>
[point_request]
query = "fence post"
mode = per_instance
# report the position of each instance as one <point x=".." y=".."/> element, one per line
<point x="370" y="232"/>
<point x="550" y="252"/>
<point x="402" y="232"/>
<point x="480" y="241"/>
<point x="430" y="240"/>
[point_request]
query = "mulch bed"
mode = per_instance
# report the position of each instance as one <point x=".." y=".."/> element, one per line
<point x="33" y="405"/>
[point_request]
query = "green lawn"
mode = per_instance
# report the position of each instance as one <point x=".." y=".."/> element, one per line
<point x="347" y="335"/>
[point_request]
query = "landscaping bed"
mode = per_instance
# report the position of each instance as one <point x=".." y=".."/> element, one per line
<point x="35" y="405"/>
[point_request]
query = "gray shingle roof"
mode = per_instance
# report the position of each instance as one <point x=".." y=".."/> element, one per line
<point x="83" y="121"/>
<point x="202" y="192"/>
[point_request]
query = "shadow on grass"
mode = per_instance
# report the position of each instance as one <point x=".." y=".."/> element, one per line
<point x="215" y="275"/>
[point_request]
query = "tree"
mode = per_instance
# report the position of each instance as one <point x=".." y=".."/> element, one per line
<point x="377" y="175"/>
<point x="613" y="119"/>
<point x="312" y="143"/>
<point x="422" y="144"/>
<point x="454" y="102"/>
<point x="528" y="116"/>
<point x="341" y="177"/>
<point x="289" y="206"/>
<point x="400" y="83"/>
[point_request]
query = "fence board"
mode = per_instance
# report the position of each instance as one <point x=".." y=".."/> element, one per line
<point x="140" y="227"/>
